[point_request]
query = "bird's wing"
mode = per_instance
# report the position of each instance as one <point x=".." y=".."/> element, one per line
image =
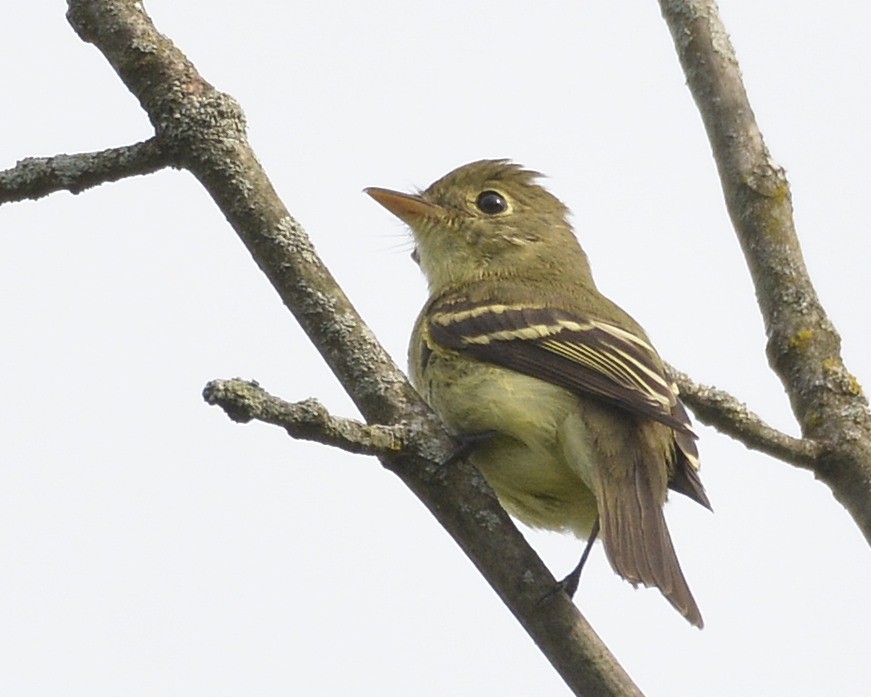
<point x="584" y="355"/>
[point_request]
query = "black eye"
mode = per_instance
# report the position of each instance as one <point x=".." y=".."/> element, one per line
<point x="491" y="202"/>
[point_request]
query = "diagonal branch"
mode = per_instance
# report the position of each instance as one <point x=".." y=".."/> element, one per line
<point x="205" y="131"/>
<point x="803" y="346"/>
<point x="35" y="177"/>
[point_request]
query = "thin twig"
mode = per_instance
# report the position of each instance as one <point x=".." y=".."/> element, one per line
<point x="728" y="415"/>
<point x="35" y="177"/>
<point x="245" y="400"/>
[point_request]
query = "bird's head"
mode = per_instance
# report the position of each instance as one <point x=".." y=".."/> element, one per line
<point x="487" y="219"/>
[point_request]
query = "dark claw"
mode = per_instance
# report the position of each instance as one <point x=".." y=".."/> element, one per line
<point x="570" y="583"/>
<point x="467" y="442"/>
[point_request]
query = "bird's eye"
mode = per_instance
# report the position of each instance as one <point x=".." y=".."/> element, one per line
<point x="491" y="202"/>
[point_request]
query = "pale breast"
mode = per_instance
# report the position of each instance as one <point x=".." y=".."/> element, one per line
<point x="537" y="462"/>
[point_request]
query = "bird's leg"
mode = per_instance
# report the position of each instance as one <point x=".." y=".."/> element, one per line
<point x="467" y="442"/>
<point x="570" y="583"/>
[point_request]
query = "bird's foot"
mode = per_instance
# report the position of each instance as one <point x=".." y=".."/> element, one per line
<point x="467" y="442"/>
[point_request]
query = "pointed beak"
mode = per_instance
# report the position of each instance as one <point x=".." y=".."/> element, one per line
<point x="409" y="208"/>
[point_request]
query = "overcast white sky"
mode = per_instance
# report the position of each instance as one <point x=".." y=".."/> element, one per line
<point x="149" y="546"/>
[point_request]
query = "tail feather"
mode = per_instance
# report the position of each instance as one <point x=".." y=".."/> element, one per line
<point x="637" y="542"/>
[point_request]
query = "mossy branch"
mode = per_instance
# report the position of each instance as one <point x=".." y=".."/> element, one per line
<point x="804" y="349"/>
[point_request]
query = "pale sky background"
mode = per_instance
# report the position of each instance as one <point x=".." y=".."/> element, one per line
<point x="149" y="546"/>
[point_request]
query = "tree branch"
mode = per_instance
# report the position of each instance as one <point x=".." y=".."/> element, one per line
<point x="244" y="400"/>
<point x="728" y="415"/>
<point x="204" y="131"/>
<point x="803" y="346"/>
<point x="35" y="177"/>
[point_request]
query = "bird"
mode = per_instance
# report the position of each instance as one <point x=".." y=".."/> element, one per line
<point x="555" y="392"/>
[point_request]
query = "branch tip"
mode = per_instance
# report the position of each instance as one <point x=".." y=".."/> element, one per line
<point x="246" y="400"/>
<point x="36" y="177"/>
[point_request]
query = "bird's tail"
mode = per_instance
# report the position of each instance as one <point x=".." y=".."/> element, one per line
<point x="636" y="538"/>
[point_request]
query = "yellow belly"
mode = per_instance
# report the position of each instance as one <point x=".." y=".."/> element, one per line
<point x="538" y="463"/>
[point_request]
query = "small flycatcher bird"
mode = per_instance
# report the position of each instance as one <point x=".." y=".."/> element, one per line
<point x="574" y="423"/>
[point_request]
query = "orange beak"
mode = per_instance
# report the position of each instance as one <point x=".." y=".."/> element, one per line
<point x="407" y="207"/>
